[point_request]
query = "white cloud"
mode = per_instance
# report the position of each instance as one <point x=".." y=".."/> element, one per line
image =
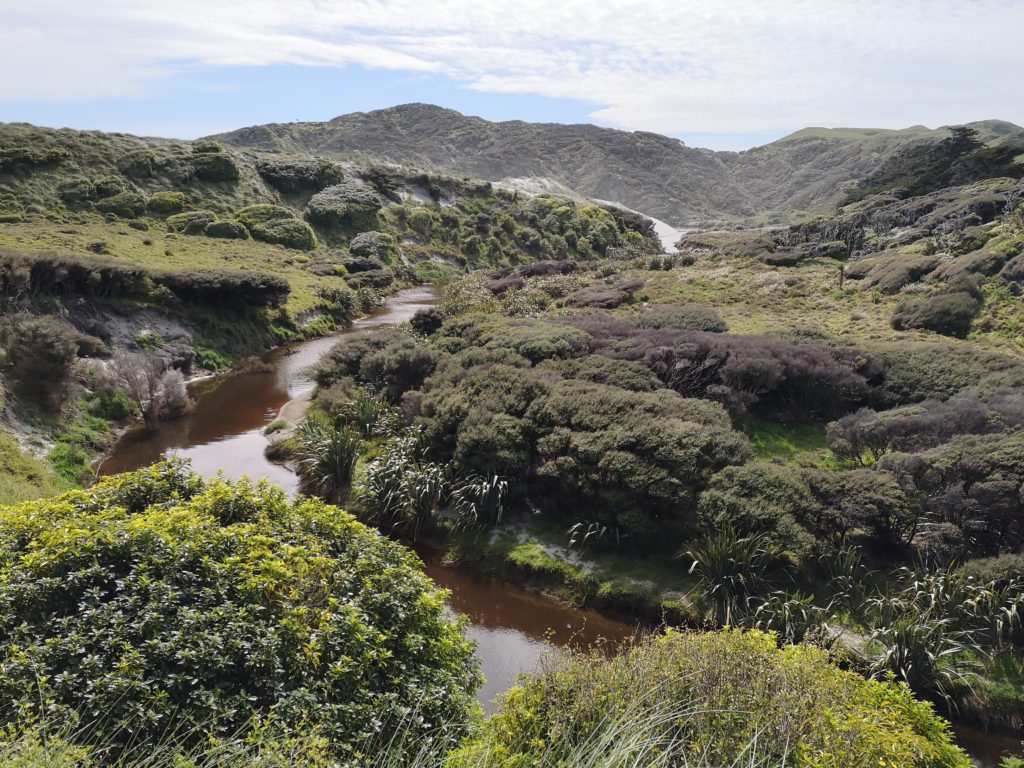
<point x="748" y="66"/>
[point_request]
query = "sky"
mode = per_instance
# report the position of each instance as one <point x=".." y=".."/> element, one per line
<point x="715" y="73"/>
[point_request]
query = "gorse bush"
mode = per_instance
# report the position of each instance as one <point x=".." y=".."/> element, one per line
<point x="156" y="603"/>
<point x="723" y="699"/>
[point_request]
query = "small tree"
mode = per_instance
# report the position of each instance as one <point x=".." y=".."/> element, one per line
<point x="158" y="391"/>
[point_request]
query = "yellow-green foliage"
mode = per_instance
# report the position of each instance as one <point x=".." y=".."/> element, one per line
<point x="716" y="699"/>
<point x="22" y="477"/>
<point x="158" y="603"/>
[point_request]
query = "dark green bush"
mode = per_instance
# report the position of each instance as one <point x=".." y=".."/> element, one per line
<point x="109" y="186"/>
<point x="138" y="164"/>
<point x="41" y="352"/>
<point x="427" y="321"/>
<point x="374" y="278"/>
<point x="167" y="202"/>
<point x="25" y="159"/>
<point x="685" y="317"/>
<point x="191" y="222"/>
<point x="227" y="230"/>
<point x="948" y="313"/>
<point x="277" y="225"/>
<point x="225" y="287"/>
<point x="374" y="245"/>
<point x="43" y="273"/>
<point x="77" y="192"/>
<point x="127" y="205"/>
<point x="214" y="166"/>
<point x="296" y="175"/>
<point x="156" y="604"/>
<point x="350" y="205"/>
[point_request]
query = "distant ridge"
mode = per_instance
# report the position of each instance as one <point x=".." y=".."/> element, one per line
<point x="795" y="177"/>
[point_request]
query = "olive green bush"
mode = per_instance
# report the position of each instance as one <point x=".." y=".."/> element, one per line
<point x="191" y="222"/>
<point x="228" y="229"/>
<point x="41" y="352"/>
<point x="277" y="225"/>
<point x="158" y="604"/>
<point x="127" y="205"/>
<point x="299" y="174"/>
<point x="350" y="205"/>
<point x="167" y="202"/>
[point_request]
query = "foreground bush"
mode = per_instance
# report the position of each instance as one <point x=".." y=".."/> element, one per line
<point x="156" y="603"/>
<point x="729" y="698"/>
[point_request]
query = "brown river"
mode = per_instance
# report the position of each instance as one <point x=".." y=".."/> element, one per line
<point x="513" y="628"/>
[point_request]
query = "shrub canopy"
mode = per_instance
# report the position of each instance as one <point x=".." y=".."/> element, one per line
<point x="158" y="603"/>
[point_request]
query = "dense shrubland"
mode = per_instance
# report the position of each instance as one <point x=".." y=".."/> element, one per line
<point x="156" y="607"/>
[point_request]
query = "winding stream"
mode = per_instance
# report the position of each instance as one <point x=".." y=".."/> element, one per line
<point x="513" y="627"/>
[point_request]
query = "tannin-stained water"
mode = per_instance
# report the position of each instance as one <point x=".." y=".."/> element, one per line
<point x="513" y="627"/>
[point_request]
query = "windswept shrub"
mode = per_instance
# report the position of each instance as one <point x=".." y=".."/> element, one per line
<point x="949" y="311"/>
<point x="427" y="321"/>
<point x="77" y="192"/>
<point x="191" y="222"/>
<point x="213" y="165"/>
<point x="25" y="159"/>
<point x="167" y="203"/>
<point x="227" y="288"/>
<point x="273" y="224"/>
<point x="683" y="317"/>
<point x="228" y="229"/>
<point x="127" y="205"/>
<point x="350" y="205"/>
<point x="32" y="274"/>
<point x="41" y="352"/>
<point x="157" y="604"/>
<point x="299" y="174"/>
<point x="374" y="245"/>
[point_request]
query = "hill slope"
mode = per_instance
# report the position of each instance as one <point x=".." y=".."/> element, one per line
<point x="661" y="176"/>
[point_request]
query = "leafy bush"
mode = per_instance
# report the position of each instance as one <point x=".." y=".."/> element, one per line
<point x="226" y="287"/>
<point x="730" y="698"/>
<point x="374" y="245"/>
<point x="295" y="175"/>
<point x="273" y="224"/>
<point x="127" y="205"/>
<point x="167" y="203"/>
<point x="207" y="147"/>
<point x="228" y="229"/>
<point x="191" y="222"/>
<point x="213" y="166"/>
<point x="77" y="192"/>
<point x="684" y="317"/>
<point x="350" y="205"/>
<point x="157" y="604"/>
<point x="949" y="313"/>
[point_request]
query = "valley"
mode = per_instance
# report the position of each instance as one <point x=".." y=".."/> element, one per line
<point x="781" y="421"/>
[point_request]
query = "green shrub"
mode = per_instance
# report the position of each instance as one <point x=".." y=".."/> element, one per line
<point x="191" y="222"/>
<point x="730" y="698"/>
<point x="948" y="313"/>
<point x="156" y="604"/>
<point x="166" y="202"/>
<point x="295" y="175"/>
<point x="138" y="164"/>
<point x="127" y="205"/>
<point x="109" y="186"/>
<point x="26" y="159"/>
<point x="214" y="166"/>
<point x="374" y="245"/>
<point x="23" y="477"/>
<point x="684" y="317"/>
<point x="350" y="205"/>
<point x="77" y="192"/>
<point x="274" y="224"/>
<point x="116" y="406"/>
<point x="207" y="147"/>
<point x="227" y="230"/>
